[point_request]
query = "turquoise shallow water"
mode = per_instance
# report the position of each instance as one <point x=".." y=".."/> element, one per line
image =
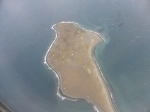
<point x="26" y="84"/>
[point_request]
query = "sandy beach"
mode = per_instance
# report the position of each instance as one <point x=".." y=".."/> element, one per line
<point x="71" y="58"/>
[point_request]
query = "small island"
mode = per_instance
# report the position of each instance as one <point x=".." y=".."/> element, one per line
<point x="71" y="57"/>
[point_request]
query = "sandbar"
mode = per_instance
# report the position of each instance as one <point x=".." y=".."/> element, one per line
<point x="71" y="57"/>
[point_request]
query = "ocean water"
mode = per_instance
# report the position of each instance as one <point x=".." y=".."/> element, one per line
<point x="27" y="85"/>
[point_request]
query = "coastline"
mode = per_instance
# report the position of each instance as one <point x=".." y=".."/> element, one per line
<point x="63" y="96"/>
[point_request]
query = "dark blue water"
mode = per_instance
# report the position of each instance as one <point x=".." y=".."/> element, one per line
<point x="26" y="84"/>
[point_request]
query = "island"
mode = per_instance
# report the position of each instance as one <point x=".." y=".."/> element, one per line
<point x="71" y="57"/>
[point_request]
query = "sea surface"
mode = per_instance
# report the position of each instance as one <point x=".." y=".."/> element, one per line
<point x="26" y="83"/>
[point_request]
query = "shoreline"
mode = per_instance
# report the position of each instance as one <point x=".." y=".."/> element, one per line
<point x="71" y="98"/>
